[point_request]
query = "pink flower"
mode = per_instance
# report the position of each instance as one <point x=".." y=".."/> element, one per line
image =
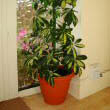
<point x="22" y="33"/>
<point x="25" y="46"/>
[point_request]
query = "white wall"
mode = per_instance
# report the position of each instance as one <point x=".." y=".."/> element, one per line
<point x="109" y="27"/>
<point x="95" y="29"/>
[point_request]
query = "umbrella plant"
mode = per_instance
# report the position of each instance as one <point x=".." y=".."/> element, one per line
<point x="52" y="43"/>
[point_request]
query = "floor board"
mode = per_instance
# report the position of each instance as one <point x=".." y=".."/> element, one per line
<point x="98" y="101"/>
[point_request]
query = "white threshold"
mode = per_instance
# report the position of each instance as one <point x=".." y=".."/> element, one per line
<point x="29" y="92"/>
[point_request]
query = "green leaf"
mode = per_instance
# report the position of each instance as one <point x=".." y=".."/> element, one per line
<point x="76" y="68"/>
<point x="80" y="72"/>
<point x="34" y="27"/>
<point x="74" y="3"/>
<point x="37" y="48"/>
<point x="48" y="61"/>
<point x="45" y="3"/>
<point x="55" y="60"/>
<point x="47" y="77"/>
<point x="27" y="60"/>
<point x="75" y="19"/>
<point x="40" y="52"/>
<point x="69" y="17"/>
<point x="68" y="1"/>
<point x="35" y="58"/>
<point x="80" y="45"/>
<point x="56" y="74"/>
<point x="41" y="75"/>
<point x="74" y="53"/>
<point x="78" y="41"/>
<point x="81" y="64"/>
<point x="33" y="3"/>
<point x="58" y="13"/>
<point x="81" y="57"/>
<point x="52" y="83"/>
<point x="31" y="62"/>
<point x="69" y="50"/>
<point x="72" y="36"/>
<point x="45" y="21"/>
<point x="69" y="65"/>
<point x="34" y="41"/>
<point x="63" y="4"/>
<point x="65" y="38"/>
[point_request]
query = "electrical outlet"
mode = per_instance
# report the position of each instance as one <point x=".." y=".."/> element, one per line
<point x="95" y="72"/>
<point x="101" y="75"/>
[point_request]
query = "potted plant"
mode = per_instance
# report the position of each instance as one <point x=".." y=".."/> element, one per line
<point x="51" y="50"/>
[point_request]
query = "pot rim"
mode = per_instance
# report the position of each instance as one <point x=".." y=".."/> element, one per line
<point x="62" y="77"/>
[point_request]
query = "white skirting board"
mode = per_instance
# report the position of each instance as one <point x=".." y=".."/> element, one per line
<point x="84" y="88"/>
<point x="89" y="87"/>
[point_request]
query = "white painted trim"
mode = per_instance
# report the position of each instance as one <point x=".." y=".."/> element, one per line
<point x="29" y="92"/>
<point x="12" y="47"/>
<point x="8" y="50"/>
<point x="1" y="71"/>
<point x="8" y="53"/>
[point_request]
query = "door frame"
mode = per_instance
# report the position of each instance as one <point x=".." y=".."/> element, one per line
<point x="8" y="53"/>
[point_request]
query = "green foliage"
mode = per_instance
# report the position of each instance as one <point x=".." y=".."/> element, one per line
<point x="53" y="41"/>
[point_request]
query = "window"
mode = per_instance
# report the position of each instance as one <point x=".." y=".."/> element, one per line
<point x="25" y="15"/>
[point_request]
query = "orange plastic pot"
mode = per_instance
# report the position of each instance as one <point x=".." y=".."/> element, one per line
<point x="57" y="94"/>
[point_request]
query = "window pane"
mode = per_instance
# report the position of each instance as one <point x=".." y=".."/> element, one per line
<point x="25" y="15"/>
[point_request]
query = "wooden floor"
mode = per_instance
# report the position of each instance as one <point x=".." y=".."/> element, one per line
<point x="98" y="101"/>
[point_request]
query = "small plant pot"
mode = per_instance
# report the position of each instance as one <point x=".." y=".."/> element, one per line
<point x="57" y="94"/>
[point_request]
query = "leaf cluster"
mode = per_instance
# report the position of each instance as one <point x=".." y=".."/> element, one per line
<point x="53" y="41"/>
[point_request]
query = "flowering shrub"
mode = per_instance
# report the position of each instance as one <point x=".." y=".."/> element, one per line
<point x="24" y="48"/>
<point x="24" y="42"/>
